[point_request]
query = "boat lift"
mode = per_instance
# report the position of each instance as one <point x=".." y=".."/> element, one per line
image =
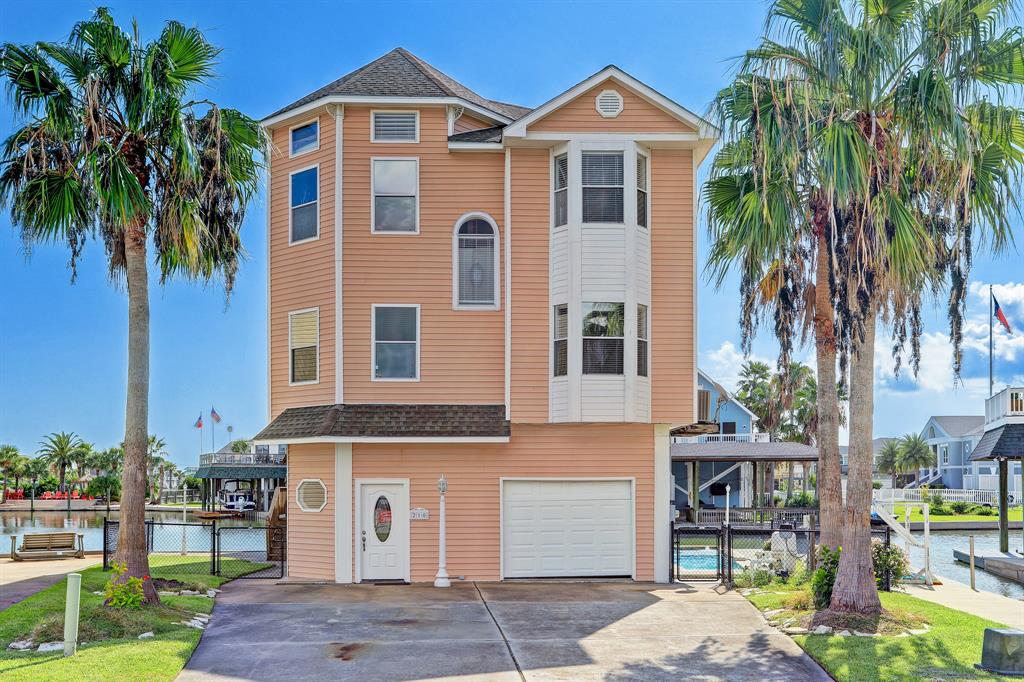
<point x="925" y="573"/>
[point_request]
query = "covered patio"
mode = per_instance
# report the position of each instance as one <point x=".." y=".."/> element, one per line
<point x="710" y="474"/>
<point x="1003" y="444"/>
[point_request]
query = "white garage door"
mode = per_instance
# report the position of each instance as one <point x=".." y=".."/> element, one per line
<point x="567" y="529"/>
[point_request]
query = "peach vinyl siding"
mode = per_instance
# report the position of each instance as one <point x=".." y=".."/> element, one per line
<point x="672" y="287"/>
<point x="638" y="115"/>
<point x="464" y="124"/>
<point x="531" y="228"/>
<point x="461" y="352"/>
<point x="301" y="275"/>
<point x="311" y="534"/>
<point x="474" y="471"/>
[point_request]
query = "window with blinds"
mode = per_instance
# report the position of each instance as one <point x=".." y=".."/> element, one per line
<point x="561" y="189"/>
<point x="641" y="190"/>
<point x="560" y="332"/>
<point x="395" y="126"/>
<point x="602" y="187"/>
<point x="395" y="190"/>
<point x="396" y="342"/>
<point x="305" y="138"/>
<point x="641" y="340"/>
<point x="303" y="345"/>
<point x="476" y="270"/>
<point x="603" y="326"/>
<point x="305" y="205"/>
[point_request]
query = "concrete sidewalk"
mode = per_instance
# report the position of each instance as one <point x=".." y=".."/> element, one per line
<point x="20" y="579"/>
<point x="980" y="603"/>
<point x="534" y="631"/>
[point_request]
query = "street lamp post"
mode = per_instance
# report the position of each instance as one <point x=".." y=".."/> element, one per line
<point x="441" y="580"/>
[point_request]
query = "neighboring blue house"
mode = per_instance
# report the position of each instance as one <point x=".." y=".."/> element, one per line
<point x="951" y="438"/>
<point x="736" y="424"/>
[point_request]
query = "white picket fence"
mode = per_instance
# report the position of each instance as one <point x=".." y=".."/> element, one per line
<point x="895" y="495"/>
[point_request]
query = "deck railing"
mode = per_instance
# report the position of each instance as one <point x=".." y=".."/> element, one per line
<point x="1009" y="402"/>
<point x="247" y="458"/>
<point x="725" y="438"/>
<point x="897" y="495"/>
<point x="771" y="516"/>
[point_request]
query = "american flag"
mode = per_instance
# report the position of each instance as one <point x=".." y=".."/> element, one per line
<point x="1001" y="316"/>
<point x="199" y="422"/>
<point x="214" y="416"/>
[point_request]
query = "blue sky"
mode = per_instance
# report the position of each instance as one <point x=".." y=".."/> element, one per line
<point x="62" y="346"/>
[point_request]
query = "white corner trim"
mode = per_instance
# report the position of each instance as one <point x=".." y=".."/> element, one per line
<point x="269" y="245"/>
<point x="343" y="526"/>
<point x="496" y="263"/>
<point x="662" y="502"/>
<point x="508" y="284"/>
<point x="704" y="128"/>
<point x="339" y="261"/>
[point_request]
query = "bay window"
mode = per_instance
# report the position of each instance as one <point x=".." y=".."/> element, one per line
<point x="603" y="327"/>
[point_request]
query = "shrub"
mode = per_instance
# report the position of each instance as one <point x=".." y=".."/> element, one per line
<point x="754" y="577"/>
<point x="798" y="601"/>
<point x="960" y="507"/>
<point x="876" y="485"/>
<point x="123" y="592"/>
<point x="825" y="577"/>
<point x="985" y="511"/>
<point x="888" y="561"/>
<point x="99" y="487"/>
<point x="800" y="500"/>
<point x="936" y="500"/>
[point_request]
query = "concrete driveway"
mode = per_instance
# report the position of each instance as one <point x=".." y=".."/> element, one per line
<point x="491" y="631"/>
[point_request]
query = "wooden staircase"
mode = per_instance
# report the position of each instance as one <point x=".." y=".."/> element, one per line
<point x="277" y="526"/>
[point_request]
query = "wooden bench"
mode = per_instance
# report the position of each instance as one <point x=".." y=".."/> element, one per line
<point x="48" y="546"/>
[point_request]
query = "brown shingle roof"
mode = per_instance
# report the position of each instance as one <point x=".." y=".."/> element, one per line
<point x="400" y="73"/>
<point x="388" y="421"/>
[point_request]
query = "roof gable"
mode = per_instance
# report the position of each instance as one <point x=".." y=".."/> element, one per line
<point x="618" y="78"/>
<point x="638" y="114"/>
<point x="729" y="396"/>
<point x="399" y="73"/>
<point x="954" y="426"/>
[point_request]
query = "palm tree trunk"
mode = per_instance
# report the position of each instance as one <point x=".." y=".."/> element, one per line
<point x="131" y="542"/>
<point x="63" y="472"/>
<point x="830" y="486"/>
<point x="3" y="494"/>
<point x="855" y="590"/>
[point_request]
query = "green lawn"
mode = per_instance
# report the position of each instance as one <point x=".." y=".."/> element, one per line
<point x="110" y="648"/>
<point x="917" y="515"/>
<point x="948" y="651"/>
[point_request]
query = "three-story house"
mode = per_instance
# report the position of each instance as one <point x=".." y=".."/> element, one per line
<point x="500" y="295"/>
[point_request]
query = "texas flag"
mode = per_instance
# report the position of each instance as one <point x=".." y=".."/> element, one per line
<point x="214" y="416"/>
<point x="1001" y="316"/>
<point x="199" y="422"/>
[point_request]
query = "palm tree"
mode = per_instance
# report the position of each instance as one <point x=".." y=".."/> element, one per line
<point x="8" y="456"/>
<point x="881" y="125"/>
<point x="108" y="461"/>
<point x="60" y="451"/>
<point x="18" y="468"/>
<point x="915" y="454"/>
<point x="84" y="455"/>
<point x="240" y="446"/>
<point x="34" y="470"/>
<point x="112" y="145"/>
<point x="889" y="460"/>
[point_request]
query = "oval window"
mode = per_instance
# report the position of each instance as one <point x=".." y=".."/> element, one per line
<point x="382" y="519"/>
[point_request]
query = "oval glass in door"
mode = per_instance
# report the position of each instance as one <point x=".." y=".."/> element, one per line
<point x="382" y="519"/>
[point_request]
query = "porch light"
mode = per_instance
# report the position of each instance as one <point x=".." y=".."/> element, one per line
<point x="441" y="579"/>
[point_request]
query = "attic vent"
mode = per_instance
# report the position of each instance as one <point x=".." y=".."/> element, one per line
<point x="311" y="495"/>
<point x="609" y="103"/>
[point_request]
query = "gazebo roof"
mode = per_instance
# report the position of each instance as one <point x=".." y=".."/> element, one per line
<point x="1004" y="442"/>
<point x="743" y="452"/>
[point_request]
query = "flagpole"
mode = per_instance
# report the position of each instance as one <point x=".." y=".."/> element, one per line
<point x="991" y="380"/>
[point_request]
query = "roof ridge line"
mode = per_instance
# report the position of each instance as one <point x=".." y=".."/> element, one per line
<point x="415" y="61"/>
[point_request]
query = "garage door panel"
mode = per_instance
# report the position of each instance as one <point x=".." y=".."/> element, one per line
<point x="567" y="528"/>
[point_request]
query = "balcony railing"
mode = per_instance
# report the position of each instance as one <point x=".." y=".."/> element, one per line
<point x="1009" y="402"/>
<point x="246" y="458"/>
<point x="725" y="438"/>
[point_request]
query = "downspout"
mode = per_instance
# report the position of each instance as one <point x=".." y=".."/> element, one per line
<point x="508" y="283"/>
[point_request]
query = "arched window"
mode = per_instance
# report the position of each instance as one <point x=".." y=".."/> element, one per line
<point x="476" y="262"/>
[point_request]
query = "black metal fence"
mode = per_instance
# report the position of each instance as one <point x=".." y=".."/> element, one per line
<point x="750" y="554"/>
<point x="206" y="548"/>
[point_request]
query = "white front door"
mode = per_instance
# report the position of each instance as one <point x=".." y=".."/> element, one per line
<point x="384" y="531"/>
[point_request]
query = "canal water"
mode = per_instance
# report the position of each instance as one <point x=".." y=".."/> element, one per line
<point x="88" y="523"/>
<point x="943" y="563"/>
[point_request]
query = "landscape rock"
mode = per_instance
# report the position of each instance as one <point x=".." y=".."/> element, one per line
<point x="97" y="592"/>
<point x="51" y="646"/>
<point x="858" y="633"/>
<point x="146" y="635"/>
<point x="918" y="632"/>
<point x="823" y="630"/>
<point x="773" y="612"/>
<point x="164" y="593"/>
<point x="21" y="645"/>
<point x="844" y="633"/>
<point x="211" y="593"/>
<point x="795" y="631"/>
<point x="190" y="593"/>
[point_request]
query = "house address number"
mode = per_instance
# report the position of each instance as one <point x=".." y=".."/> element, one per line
<point x="419" y="514"/>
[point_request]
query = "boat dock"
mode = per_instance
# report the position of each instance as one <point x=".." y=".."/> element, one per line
<point x="1009" y="565"/>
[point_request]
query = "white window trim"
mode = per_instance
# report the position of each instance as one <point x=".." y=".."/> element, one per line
<point x="552" y="359"/>
<point x="456" y="305"/>
<point x="555" y="153"/>
<point x="310" y="510"/>
<point x="603" y="148"/>
<point x="636" y="188"/>
<point x="293" y="154"/>
<point x="624" y="337"/>
<point x="646" y="339"/>
<point x="290" y="315"/>
<point x="373" y="196"/>
<point x="373" y="341"/>
<point x="291" y="208"/>
<point x="373" y="137"/>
